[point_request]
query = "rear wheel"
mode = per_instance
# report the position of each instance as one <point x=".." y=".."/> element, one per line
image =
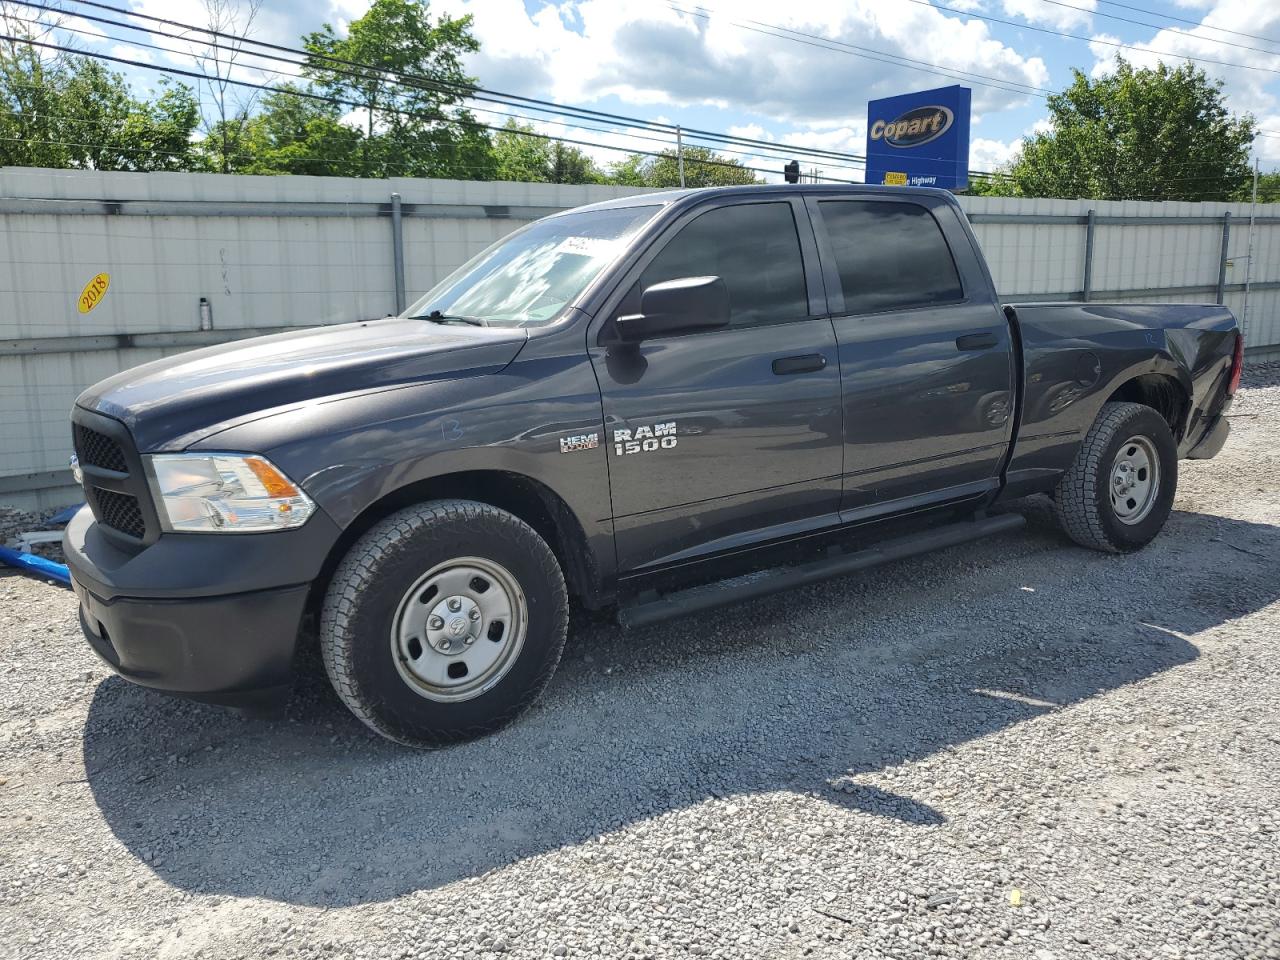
<point x="1119" y="491"/>
<point x="444" y="622"/>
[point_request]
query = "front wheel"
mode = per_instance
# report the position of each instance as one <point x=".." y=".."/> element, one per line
<point x="1119" y="491"/>
<point x="444" y="622"/>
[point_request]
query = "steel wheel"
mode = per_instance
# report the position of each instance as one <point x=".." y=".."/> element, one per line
<point x="1135" y="480"/>
<point x="459" y="628"/>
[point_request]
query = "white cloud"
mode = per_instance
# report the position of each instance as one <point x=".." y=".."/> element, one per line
<point x="1057" y="16"/>
<point x="1104" y="51"/>
<point x="650" y="55"/>
<point x="989" y="155"/>
<point x="83" y="29"/>
<point x="752" y="131"/>
<point x="125" y="52"/>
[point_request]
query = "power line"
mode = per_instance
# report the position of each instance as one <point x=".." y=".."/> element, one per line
<point x="1030" y="91"/>
<point x="763" y="152"/>
<point x="879" y="56"/>
<point x="1105" y="43"/>
<point x="1197" y="23"/>
<point x="470" y="91"/>
<point x="174" y="71"/>
<point x="1161" y="26"/>
<point x="758" y="147"/>
<point x="543" y="106"/>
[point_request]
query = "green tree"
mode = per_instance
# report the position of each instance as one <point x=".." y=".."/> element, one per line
<point x="129" y="133"/>
<point x="31" y="85"/>
<point x="998" y="184"/>
<point x="410" y="84"/>
<point x="1268" y="188"/>
<point x="702" y="168"/>
<point x="1161" y="133"/>
<point x="294" y="134"/>
<point x="521" y="156"/>
<point x="630" y="172"/>
<point x="571" y="165"/>
<point x="72" y="111"/>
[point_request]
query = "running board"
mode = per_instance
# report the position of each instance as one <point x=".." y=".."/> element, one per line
<point x="760" y="584"/>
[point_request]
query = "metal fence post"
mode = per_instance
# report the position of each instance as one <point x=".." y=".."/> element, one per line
<point x="1090" y="226"/>
<point x="1222" y="261"/>
<point x="397" y="250"/>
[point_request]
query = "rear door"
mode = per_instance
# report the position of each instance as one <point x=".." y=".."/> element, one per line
<point x="721" y="438"/>
<point x="926" y="356"/>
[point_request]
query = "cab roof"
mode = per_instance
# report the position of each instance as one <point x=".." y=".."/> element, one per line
<point x="698" y="194"/>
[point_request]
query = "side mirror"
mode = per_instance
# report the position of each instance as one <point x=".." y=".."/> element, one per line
<point x="677" y="306"/>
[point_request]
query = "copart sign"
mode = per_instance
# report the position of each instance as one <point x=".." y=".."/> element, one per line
<point x="920" y="139"/>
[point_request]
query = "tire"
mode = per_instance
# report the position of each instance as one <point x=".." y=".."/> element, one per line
<point x="1123" y="438"/>
<point x="392" y="643"/>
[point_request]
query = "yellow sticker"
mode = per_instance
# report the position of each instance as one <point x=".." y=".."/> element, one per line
<point x="895" y="179"/>
<point x="1015" y="897"/>
<point x="93" y="292"/>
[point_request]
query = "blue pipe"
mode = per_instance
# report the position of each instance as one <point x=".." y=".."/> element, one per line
<point x="34" y="564"/>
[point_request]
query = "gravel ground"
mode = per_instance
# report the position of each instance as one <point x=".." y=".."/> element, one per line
<point x="14" y="522"/>
<point x="1016" y="747"/>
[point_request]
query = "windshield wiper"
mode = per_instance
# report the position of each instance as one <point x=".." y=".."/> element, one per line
<point x="435" y="316"/>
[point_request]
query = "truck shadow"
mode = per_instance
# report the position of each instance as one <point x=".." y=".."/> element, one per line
<point x="814" y="692"/>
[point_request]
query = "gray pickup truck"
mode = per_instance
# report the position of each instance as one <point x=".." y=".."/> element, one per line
<point x="630" y="405"/>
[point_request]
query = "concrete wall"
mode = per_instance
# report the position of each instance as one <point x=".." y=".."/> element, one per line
<point x="279" y="252"/>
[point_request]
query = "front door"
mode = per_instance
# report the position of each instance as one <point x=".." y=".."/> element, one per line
<point x="926" y="362"/>
<point x="722" y="438"/>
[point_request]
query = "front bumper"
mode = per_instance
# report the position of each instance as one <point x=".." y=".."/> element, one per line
<point x="235" y="650"/>
<point x="214" y="617"/>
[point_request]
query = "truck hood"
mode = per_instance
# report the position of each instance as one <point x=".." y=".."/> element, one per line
<point x="171" y="403"/>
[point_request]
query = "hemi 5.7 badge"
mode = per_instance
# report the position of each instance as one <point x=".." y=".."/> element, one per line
<point x="582" y="441"/>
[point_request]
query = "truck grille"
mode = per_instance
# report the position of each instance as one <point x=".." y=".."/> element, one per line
<point x="99" y="450"/>
<point x="121" y="512"/>
<point x="115" y="485"/>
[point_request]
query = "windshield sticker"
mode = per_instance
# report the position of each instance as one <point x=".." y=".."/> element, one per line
<point x="595" y="247"/>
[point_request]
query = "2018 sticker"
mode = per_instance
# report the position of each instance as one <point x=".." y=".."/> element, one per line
<point x="93" y="292"/>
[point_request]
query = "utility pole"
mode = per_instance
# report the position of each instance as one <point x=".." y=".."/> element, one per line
<point x="1248" y="263"/>
<point x="680" y="154"/>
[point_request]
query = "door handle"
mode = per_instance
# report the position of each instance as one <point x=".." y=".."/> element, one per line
<point x="809" y="363"/>
<point x="976" y="341"/>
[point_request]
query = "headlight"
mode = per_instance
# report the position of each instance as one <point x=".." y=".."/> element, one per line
<point x="225" y="493"/>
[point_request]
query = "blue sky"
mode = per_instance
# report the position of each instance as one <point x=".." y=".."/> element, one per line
<point x="803" y="72"/>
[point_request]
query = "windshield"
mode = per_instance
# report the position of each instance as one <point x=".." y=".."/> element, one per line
<point x="527" y="278"/>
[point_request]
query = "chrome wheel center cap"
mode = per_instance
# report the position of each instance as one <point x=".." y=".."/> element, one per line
<point x="453" y="625"/>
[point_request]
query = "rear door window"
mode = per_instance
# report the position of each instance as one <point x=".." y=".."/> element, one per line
<point x="890" y="256"/>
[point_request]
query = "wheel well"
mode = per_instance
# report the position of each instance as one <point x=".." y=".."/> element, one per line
<point x="1163" y="394"/>
<point x="531" y="501"/>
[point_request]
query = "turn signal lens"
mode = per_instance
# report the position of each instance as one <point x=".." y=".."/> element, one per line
<point x="275" y="482"/>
